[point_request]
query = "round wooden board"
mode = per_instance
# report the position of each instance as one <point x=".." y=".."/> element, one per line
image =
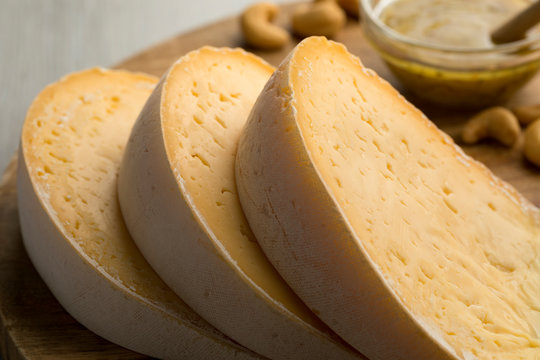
<point x="33" y="325"/>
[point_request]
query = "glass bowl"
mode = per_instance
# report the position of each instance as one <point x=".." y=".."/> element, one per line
<point x="455" y="77"/>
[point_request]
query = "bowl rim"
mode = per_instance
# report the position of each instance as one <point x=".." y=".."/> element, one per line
<point x="368" y="12"/>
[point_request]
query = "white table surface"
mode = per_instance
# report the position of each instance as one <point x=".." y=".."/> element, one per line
<point x="41" y="40"/>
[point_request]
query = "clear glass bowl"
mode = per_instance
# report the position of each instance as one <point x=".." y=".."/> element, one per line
<point x="451" y="76"/>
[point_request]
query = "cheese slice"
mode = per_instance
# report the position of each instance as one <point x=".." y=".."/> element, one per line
<point x="178" y="196"/>
<point x="72" y="142"/>
<point x="403" y="245"/>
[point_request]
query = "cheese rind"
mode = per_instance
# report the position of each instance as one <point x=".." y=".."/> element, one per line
<point x="178" y="175"/>
<point x="72" y="141"/>
<point x="404" y="246"/>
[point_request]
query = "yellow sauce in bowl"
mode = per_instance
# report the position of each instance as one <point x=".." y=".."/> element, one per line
<point x="456" y="63"/>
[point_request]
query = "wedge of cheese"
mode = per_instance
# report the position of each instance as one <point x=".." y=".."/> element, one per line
<point x="72" y="142"/>
<point x="403" y="245"/>
<point x="178" y="196"/>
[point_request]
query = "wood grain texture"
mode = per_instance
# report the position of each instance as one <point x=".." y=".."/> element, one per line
<point x="32" y="323"/>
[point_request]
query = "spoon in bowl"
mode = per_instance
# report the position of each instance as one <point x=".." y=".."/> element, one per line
<point x="516" y="28"/>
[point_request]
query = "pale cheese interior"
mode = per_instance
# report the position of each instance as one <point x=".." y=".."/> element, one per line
<point x="206" y="102"/>
<point x="459" y="249"/>
<point x="73" y="140"/>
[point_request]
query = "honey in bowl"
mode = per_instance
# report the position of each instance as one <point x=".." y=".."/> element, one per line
<point x="441" y="50"/>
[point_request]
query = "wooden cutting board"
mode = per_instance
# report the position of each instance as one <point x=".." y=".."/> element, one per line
<point x="33" y="325"/>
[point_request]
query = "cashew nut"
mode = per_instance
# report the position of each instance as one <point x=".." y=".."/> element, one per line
<point x="531" y="143"/>
<point x="324" y="18"/>
<point x="351" y="7"/>
<point x="258" y="29"/>
<point x="496" y="123"/>
<point x="526" y="114"/>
